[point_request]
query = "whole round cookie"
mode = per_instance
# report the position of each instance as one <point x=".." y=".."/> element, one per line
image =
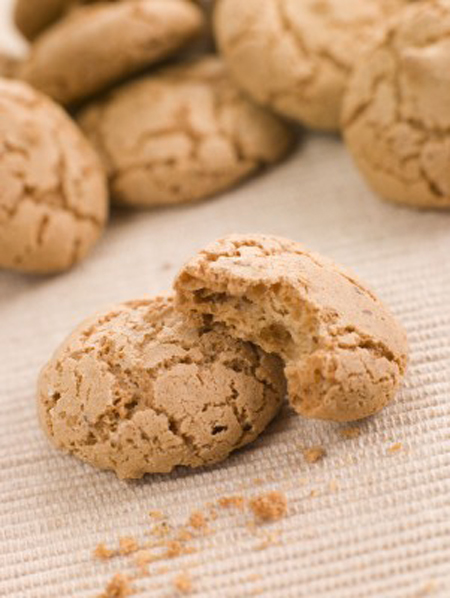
<point x="344" y="352"/>
<point x="182" y="134"/>
<point x="97" y="45"/>
<point x="396" y="116"/>
<point x="139" y="390"/>
<point x="296" y="56"/>
<point x="53" y="196"/>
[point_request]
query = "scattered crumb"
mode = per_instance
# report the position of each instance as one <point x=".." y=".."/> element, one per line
<point x="314" y="493"/>
<point x="118" y="587"/>
<point x="269" y="540"/>
<point x="237" y="502"/>
<point x="258" y="481"/>
<point x="254" y="577"/>
<point x="143" y="558"/>
<point x="198" y="521"/>
<point x="427" y="589"/>
<point x="103" y="553"/>
<point x="127" y="545"/>
<point x="395" y="448"/>
<point x="350" y="432"/>
<point x="269" y="507"/>
<point x="155" y="514"/>
<point x="161" y="530"/>
<point x="333" y="486"/>
<point x="314" y="454"/>
<point x="184" y="535"/>
<point x="303" y="481"/>
<point x="213" y="514"/>
<point x="183" y="583"/>
<point x="174" y="549"/>
<point x="162" y="570"/>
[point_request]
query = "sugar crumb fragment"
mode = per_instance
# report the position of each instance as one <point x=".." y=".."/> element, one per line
<point x="269" y="507"/>
<point x="197" y="520"/>
<point x="183" y="583"/>
<point x="118" y="587"/>
<point x="236" y="502"/>
<point x="103" y="553"/>
<point x="127" y="545"/>
<point x="395" y="448"/>
<point x="156" y="514"/>
<point x="314" y="454"/>
<point x="350" y="432"/>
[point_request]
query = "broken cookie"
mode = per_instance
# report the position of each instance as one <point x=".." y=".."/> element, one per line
<point x="139" y="390"/>
<point x="396" y="117"/>
<point x="53" y="196"/>
<point x="344" y="352"/>
<point x="182" y="134"/>
<point x="100" y="44"/>
<point x="296" y="56"/>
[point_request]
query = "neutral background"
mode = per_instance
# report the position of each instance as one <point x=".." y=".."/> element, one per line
<point x="377" y="523"/>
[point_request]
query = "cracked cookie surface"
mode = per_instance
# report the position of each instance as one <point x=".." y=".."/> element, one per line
<point x="138" y="390"/>
<point x="344" y="352"/>
<point x="182" y="134"/>
<point x="80" y="55"/>
<point x="296" y="56"/>
<point x="53" y="196"/>
<point x="396" y="116"/>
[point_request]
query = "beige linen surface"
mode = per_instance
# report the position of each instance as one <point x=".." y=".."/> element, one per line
<point x="378" y="523"/>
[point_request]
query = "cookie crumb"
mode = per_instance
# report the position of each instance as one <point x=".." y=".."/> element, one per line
<point x="333" y="486"/>
<point x="156" y="514"/>
<point x="143" y="558"/>
<point x="271" y="539"/>
<point x="184" y="535"/>
<point x="254" y="577"/>
<point x="350" y="432"/>
<point x="314" y="493"/>
<point x="236" y="502"/>
<point x="314" y="454"/>
<point x="395" y="448"/>
<point x="118" y="587"/>
<point x="127" y="545"/>
<point x="183" y="583"/>
<point x="197" y="520"/>
<point x="103" y="553"/>
<point x="269" y="507"/>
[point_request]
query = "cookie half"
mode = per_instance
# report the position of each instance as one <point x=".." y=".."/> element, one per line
<point x="396" y="117"/>
<point x="100" y="44"/>
<point x="296" y="56"/>
<point x="182" y="134"/>
<point x="344" y="353"/>
<point x="138" y="390"/>
<point x="53" y="195"/>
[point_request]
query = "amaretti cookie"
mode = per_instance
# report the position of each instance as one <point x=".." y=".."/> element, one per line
<point x="344" y="352"/>
<point x="296" y="56"/>
<point x="138" y="390"/>
<point x="99" y="44"/>
<point x="181" y="134"/>
<point x="396" y="117"/>
<point x="53" y="195"/>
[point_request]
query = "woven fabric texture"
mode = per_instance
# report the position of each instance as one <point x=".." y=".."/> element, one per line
<point x="366" y="521"/>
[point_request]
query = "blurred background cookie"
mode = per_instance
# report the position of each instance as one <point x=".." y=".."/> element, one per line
<point x="9" y="65"/>
<point x="53" y="197"/>
<point x="182" y="134"/>
<point x="396" y="117"/>
<point x="100" y="44"/>
<point x="138" y="390"/>
<point x="296" y="56"/>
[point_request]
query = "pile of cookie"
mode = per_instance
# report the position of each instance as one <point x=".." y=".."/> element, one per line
<point x="166" y="134"/>
<point x="185" y="379"/>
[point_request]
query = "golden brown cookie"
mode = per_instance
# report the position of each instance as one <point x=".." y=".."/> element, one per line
<point x="99" y="44"/>
<point x="344" y="352"/>
<point x="53" y="198"/>
<point x="33" y="16"/>
<point x="8" y="65"/>
<point x="396" y="118"/>
<point x="182" y="134"/>
<point x="296" y="56"/>
<point x="138" y="390"/>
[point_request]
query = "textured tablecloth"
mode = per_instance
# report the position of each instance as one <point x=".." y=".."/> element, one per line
<point x="366" y="521"/>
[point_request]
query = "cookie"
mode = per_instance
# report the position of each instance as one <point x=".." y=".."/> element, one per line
<point x="344" y="353"/>
<point x="53" y="196"/>
<point x="138" y="390"/>
<point x="396" y="116"/>
<point x="100" y="44"/>
<point x="296" y="56"/>
<point x="182" y="134"/>
<point x="33" y="16"/>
